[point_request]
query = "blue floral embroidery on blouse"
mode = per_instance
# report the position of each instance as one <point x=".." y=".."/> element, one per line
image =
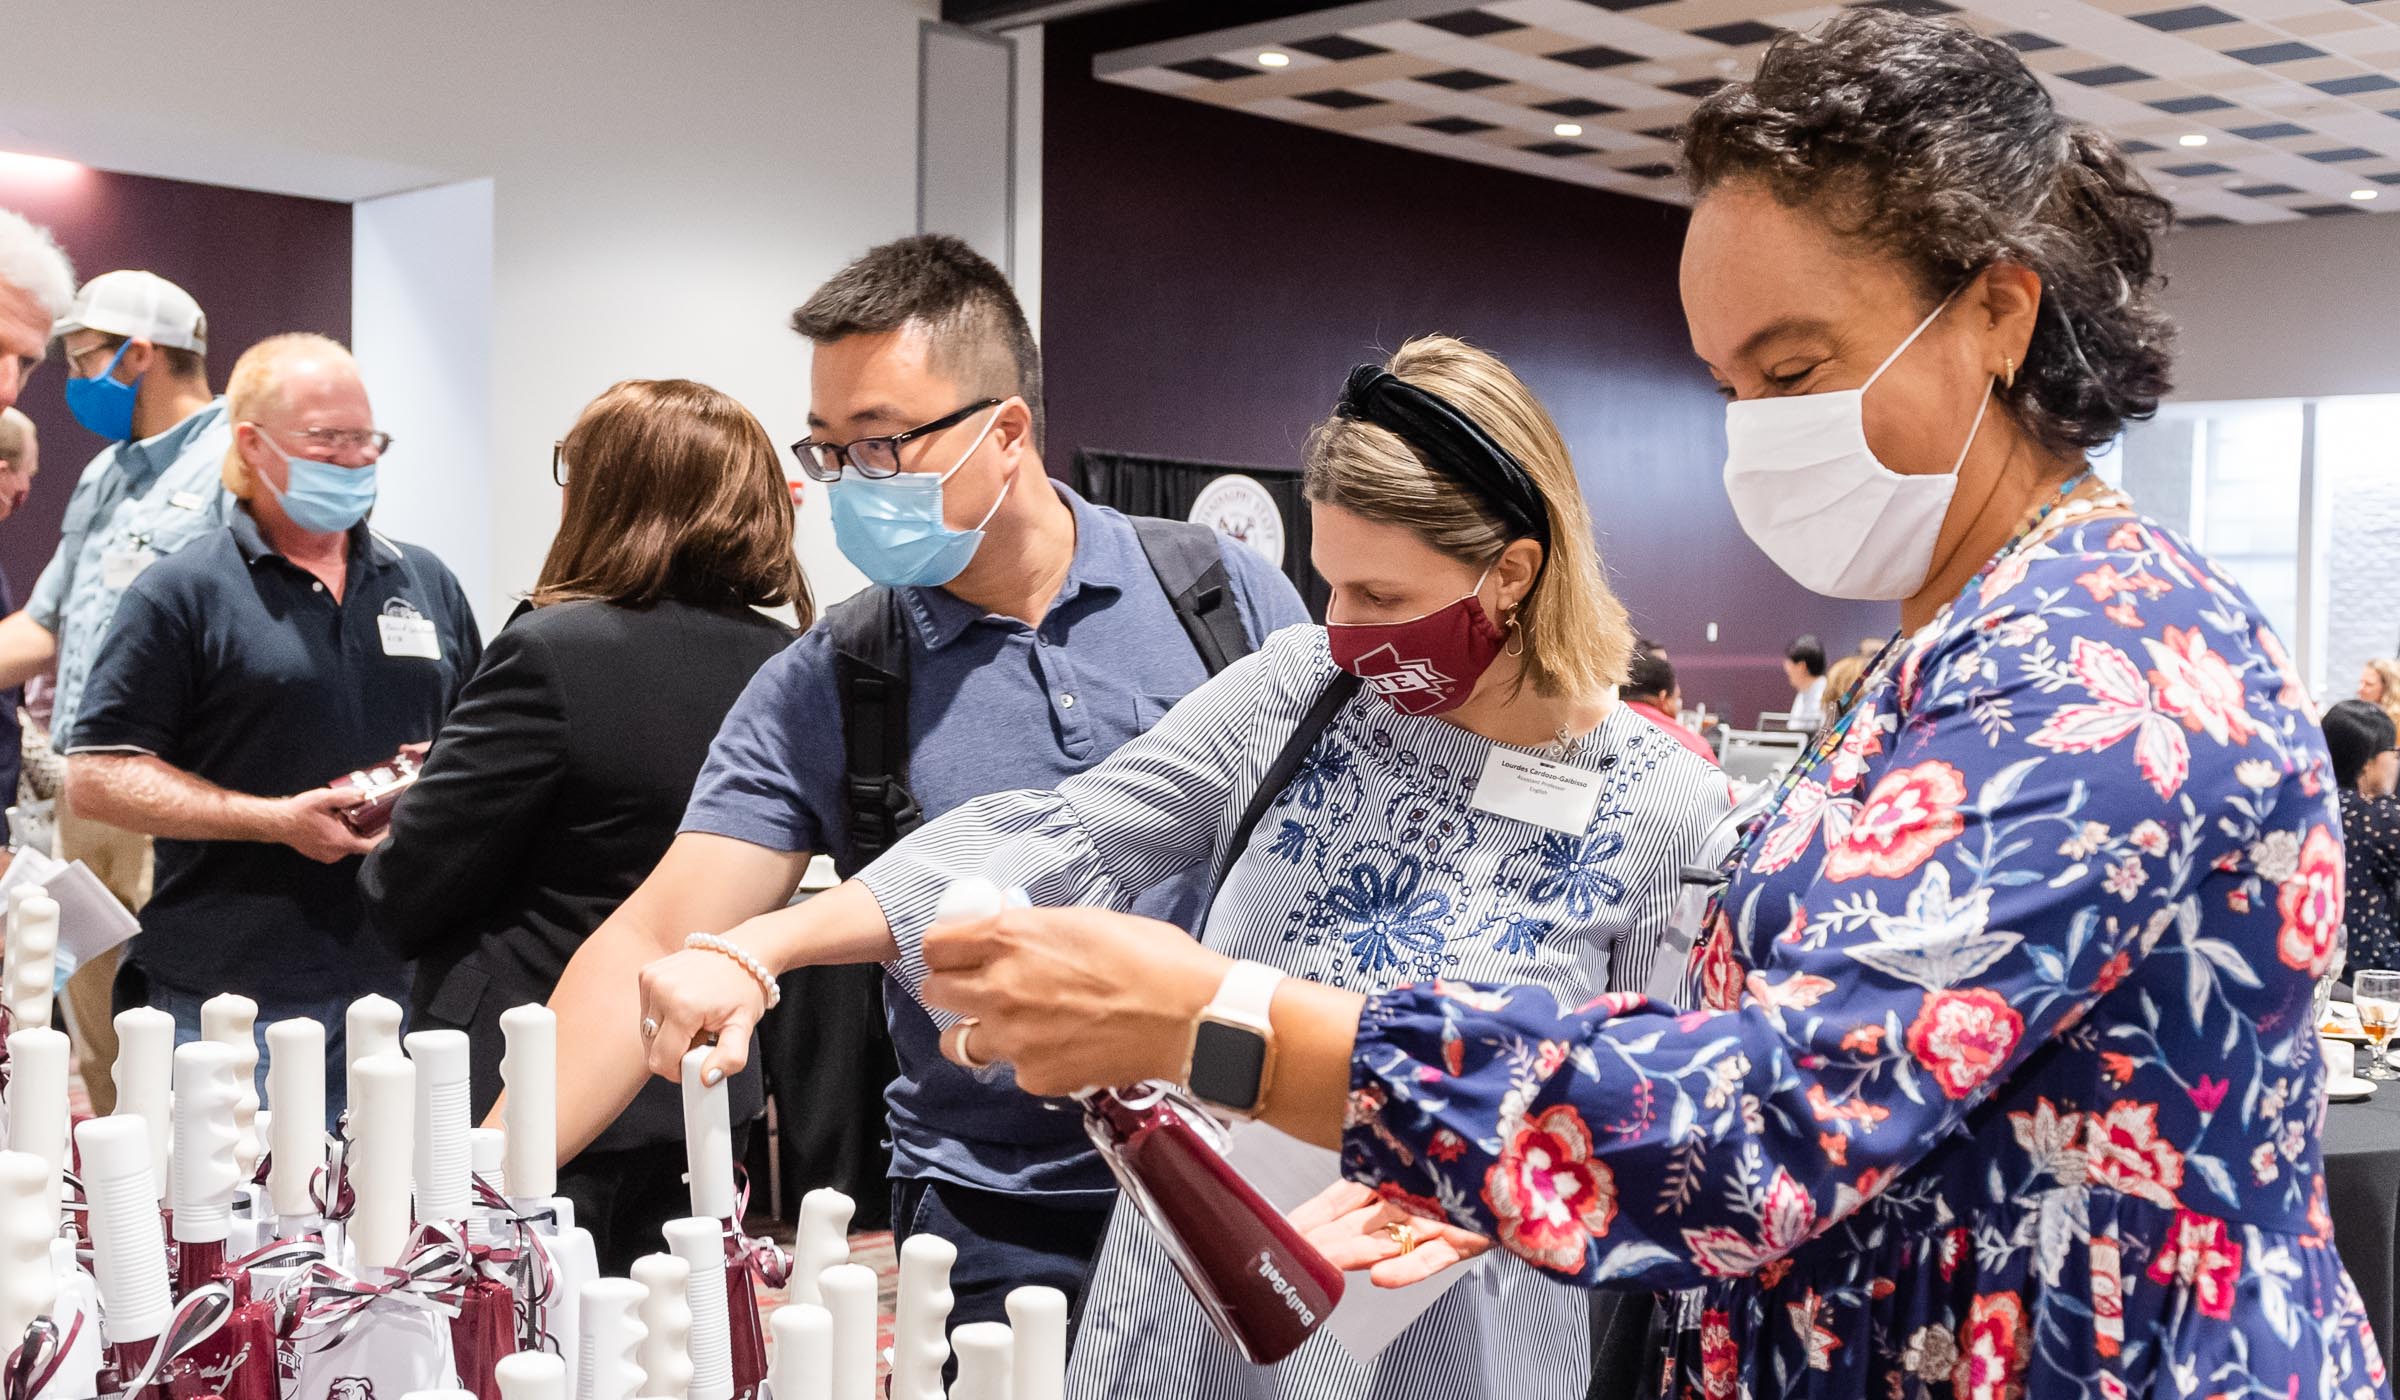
<point x="1571" y="872"/>
<point x="1291" y="841"/>
<point x="1390" y="921"/>
<point x="1312" y="785"/>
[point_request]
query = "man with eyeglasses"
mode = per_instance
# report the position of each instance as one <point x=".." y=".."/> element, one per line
<point x="242" y="679"/>
<point x="1025" y="635"/>
<point x="136" y="374"/>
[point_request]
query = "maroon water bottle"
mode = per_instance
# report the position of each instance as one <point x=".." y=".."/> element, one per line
<point x="1263" y="1286"/>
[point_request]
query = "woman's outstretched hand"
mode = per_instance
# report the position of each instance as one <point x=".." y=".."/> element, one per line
<point x="1356" y="1229"/>
<point x="1072" y="998"/>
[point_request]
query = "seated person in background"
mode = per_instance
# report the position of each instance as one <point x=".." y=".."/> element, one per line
<point x="1650" y="690"/>
<point x="2360" y="737"/>
<point x="2379" y="685"/>
<point x="243" y="674"/>
<point x="555" y="786"/>
<point x="1804" y="667"/>
<point x="1841" y="678"/>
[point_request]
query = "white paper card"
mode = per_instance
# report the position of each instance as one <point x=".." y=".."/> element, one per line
<point x="119" y="567"/>
<point x="410" y="634"/>
<point x="1290" y="1173"/>
<point x="90" y="920"/>
<point x="1533" y="789"/>
<point x="28" y="866"/>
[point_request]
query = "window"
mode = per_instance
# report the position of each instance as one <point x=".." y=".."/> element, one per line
<point x="2298" y="500"/>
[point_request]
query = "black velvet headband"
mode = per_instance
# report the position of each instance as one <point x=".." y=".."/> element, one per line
<point x="1452" y="444"/>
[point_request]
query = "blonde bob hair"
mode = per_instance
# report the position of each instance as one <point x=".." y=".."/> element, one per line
<point x="1577" y="639"/>
<point x="256" y="388"/>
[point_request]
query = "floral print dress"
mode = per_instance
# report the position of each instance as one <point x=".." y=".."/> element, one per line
<point x="2004" y="1082"/>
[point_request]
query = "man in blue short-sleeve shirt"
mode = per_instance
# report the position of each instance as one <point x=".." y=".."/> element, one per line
<point x="1039" y="640"/>
<point x="245" y="674"/>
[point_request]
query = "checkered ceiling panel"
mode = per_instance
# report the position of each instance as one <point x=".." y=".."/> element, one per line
<point x="2252" y="111"/>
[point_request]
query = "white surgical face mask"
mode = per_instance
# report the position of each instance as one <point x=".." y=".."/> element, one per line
<point x="1810" y="492"/>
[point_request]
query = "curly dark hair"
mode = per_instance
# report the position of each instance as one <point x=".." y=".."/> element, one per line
<point x="1936" y="146"/>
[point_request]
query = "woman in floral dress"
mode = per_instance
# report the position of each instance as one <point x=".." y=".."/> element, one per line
<point x="2004" y="1080"/>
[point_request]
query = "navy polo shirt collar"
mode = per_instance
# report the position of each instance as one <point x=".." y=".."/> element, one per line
<point x="1107" y="552"/>
<point x="368" y="550"/>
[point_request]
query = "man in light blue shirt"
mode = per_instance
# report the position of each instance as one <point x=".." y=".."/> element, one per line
<point x="1038" y="637"/>
<point x="136" y="350"/>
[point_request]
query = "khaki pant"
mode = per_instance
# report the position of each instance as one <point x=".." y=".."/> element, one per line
<point x="122" y="861"/>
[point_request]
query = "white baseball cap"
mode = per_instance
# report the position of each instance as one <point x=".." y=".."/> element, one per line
<point x="138" y="306"/>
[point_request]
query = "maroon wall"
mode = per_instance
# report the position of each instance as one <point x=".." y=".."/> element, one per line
<point x="259" y="264"/>
<point x="1209" y="277"/>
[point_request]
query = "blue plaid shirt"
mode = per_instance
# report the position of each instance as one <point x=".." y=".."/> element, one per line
<point x="137" y="502"/>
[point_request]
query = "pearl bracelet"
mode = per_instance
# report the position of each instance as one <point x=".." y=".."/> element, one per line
<point x="709" y="942"/>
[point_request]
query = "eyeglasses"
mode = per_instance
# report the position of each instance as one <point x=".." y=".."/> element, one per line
<point x="875" y="457"/>
<point x="558" y="462"/>
<point x="344" y="440"/>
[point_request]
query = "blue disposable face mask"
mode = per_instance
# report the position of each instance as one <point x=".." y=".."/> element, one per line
<point x="101" y="404"/>
<point x="893" y="528"/>
<point x="322" y="497"/>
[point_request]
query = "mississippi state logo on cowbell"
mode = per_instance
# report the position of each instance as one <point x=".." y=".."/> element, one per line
<point x="1408" y="684"/>
<point x="1244" y="509"/>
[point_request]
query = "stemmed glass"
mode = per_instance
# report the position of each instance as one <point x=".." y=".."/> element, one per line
<point x="2378" y="996"/>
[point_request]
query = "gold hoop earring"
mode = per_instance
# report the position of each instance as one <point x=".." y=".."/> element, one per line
<point x="1516" y="634"/>
<point x="2008" y="372"/>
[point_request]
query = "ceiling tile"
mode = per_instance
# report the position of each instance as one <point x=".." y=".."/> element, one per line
<point x="1472" y="24"/>
<point x="1598" y="56"/>
<point x="1574" y="107"/>
<point x="1458" y="126"/>
<point x="1461" y="79"/>
<point x="2189" y="17"/>
<point x="1340" y="99"/>
<point x="1336" y="47"/>
<point x="1740" y="32"/>
<point x="2107" y="75"/>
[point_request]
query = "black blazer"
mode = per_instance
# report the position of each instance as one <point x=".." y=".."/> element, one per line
<point x="555" y="786"/>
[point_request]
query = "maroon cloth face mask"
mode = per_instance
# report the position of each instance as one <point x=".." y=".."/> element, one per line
<point x="1425" y="665"/>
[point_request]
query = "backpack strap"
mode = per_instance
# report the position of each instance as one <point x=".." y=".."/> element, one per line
<point x="870" y="677"/>
<point x="1279" y="775"/>
<point x="1190" y="564"/>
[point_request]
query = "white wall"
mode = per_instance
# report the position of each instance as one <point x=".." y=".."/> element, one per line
<point x="421" y="326"/>
<point x="2287" y="310"/>
<point x="667" y="181"/>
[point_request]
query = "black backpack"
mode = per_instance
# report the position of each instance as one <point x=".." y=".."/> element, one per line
<point x="870" y="670"/>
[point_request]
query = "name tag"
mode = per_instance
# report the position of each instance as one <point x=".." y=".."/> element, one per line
<point x="120" y="566"/>
<point x="186" y="500"/>
<point x="1559" y="796"/>
<point x="410" y="633"/>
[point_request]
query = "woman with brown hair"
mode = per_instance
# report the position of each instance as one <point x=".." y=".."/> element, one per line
<point x="560" y="776"/>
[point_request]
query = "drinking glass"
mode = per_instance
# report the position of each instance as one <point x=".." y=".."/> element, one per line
<point x="2378" y="996"/>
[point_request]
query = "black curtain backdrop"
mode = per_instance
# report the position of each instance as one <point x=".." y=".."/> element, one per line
<point x="1139" y="484"/>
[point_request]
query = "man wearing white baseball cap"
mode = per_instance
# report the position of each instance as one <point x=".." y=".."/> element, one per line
<point x="36" y="285"/>
<point x="136" y="349"/>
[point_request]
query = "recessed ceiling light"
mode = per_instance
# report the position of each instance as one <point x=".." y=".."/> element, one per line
<point x="2362" y="196"/>
<point x="1273" y="59"/>
<point x="1727" y="66"/>
<point x="2192" y="138"/>
<point x="1566" y="129"/>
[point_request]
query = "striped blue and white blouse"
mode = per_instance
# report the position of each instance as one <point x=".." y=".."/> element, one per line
<point x="1371" y="868"/>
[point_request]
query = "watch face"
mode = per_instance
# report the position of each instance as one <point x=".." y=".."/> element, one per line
<point x="1227" y="1064"/>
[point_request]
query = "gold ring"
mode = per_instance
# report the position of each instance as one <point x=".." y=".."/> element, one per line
<point x="649" y="1028"/>
<point x="959" y="1052"/>
<point x="1403" y="1234"/>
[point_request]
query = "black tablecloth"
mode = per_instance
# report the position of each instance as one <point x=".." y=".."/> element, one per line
<point x="2362" y="1193"/>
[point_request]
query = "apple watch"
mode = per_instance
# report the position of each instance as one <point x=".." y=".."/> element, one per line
<point x="1233" y="1042"/>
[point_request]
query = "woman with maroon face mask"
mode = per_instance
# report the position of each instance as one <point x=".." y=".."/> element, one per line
<point x="1436" y="784"/>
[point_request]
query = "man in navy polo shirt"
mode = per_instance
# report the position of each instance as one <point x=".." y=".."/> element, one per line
<point x="1039" y="639"/>
<point x="241" y="676"/>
